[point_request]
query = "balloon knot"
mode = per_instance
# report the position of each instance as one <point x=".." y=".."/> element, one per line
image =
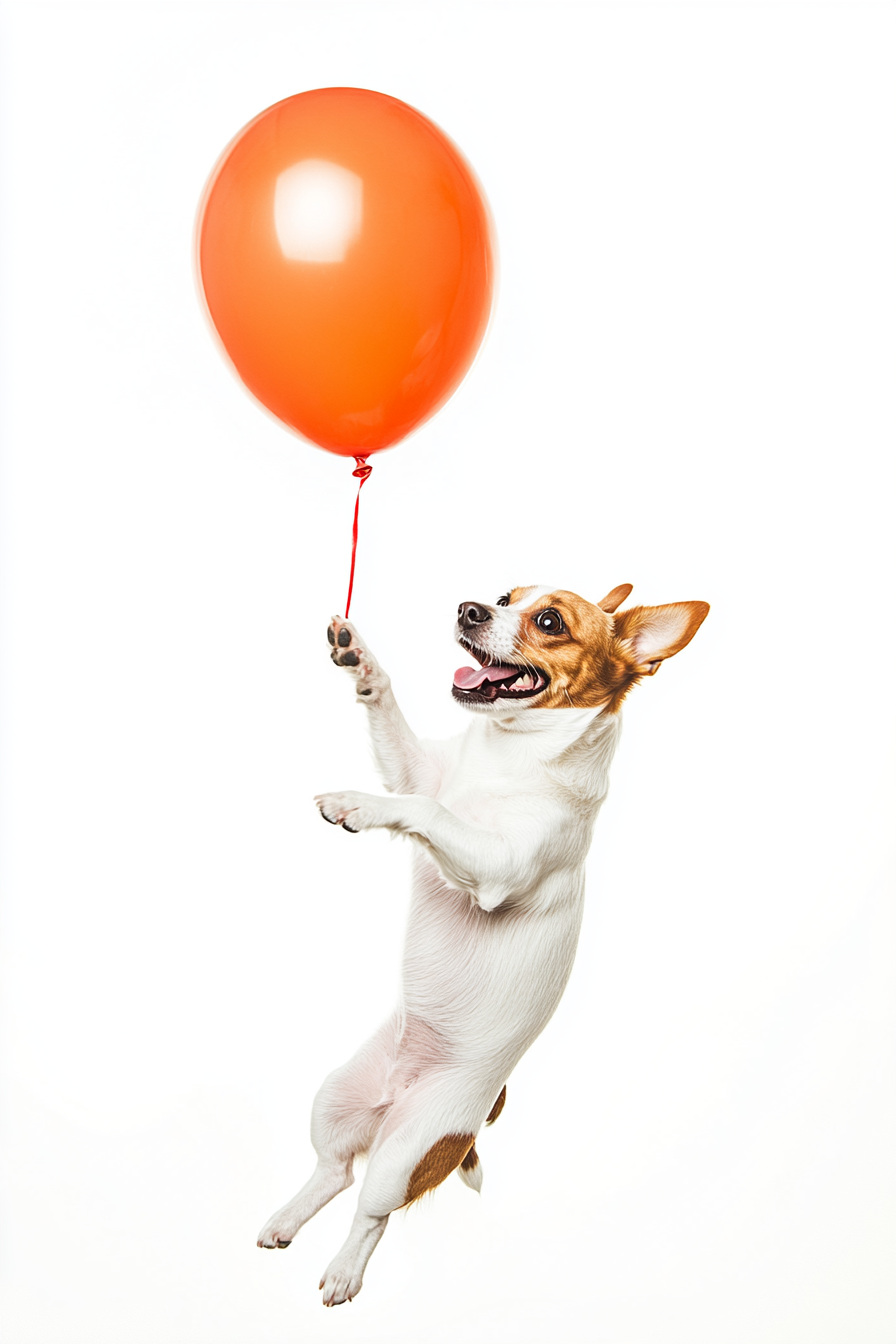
<point x="363" y="469"/>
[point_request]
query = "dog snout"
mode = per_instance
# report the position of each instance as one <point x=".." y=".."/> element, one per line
<point x="470" y="614"/>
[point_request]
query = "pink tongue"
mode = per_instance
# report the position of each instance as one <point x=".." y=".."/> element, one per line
<point x="468" y="678"/>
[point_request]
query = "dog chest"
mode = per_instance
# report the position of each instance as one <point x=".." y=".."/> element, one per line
<point x="488" y="778"/>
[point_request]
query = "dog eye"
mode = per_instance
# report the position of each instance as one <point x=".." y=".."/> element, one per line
<point x="503" y="601"/>
<point x="549" y="621"/>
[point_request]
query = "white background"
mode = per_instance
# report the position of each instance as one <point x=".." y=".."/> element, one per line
<point x="687" y="386"/>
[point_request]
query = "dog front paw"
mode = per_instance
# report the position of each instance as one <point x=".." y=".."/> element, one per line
<point x="346" y="651"/>
<point x="352" y="811"/>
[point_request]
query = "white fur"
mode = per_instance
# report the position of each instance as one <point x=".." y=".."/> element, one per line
<point x="504" y="626"/>
<point x="502" y="819"/>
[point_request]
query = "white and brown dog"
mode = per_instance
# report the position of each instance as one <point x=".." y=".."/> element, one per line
<point x="502" y="817"/>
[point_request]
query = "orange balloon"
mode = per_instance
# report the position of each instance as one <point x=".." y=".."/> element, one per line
<point x="345" y="252"/>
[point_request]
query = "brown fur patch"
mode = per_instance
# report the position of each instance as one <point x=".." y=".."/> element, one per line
<point x="471" y="1160"/>
<point x="577" y="658"/>
<point x="517" y="594"/>
<point x="596" y="660"/>
<point x="445" y="1155"/>
<point x="615" y="598"/>
<point x="497" y="1108"/>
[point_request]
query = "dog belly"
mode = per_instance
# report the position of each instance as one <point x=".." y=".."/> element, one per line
<point x="486" y="983"/>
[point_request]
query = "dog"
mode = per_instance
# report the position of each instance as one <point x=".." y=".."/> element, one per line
<point x="502" y="819"/>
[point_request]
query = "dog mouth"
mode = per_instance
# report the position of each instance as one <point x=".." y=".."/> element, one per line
<point x="489" y="682"/>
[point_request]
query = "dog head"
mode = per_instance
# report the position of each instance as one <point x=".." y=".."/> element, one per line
<point x="551" y="649"/>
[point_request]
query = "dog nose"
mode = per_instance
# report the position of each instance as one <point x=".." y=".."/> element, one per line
<point x="469" y="615"/>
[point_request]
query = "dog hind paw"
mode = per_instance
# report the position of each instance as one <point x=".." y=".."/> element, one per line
<point x="339" y="1284"/>
<point x="274" y="1238"/>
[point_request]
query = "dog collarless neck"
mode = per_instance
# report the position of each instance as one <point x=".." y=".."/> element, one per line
<point x="549" y="731"/>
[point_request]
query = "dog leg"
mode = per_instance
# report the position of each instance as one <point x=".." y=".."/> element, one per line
<point x="330" y="1178"/>
<point x="428" y="1134"/>
<point x="490" y="865"/>
<point x="345" y="1118"/>
<point x="403" y="762"/>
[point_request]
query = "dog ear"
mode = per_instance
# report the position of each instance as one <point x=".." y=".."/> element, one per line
<point x="616" y="598"/>
<point x="655" y="633"/>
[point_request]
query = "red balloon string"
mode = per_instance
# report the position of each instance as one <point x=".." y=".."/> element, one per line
<point x="362" y="471"/>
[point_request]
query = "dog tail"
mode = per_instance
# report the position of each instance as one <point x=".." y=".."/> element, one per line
<point x="470" y="1170"/>
<point x="498" y="1107"/>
